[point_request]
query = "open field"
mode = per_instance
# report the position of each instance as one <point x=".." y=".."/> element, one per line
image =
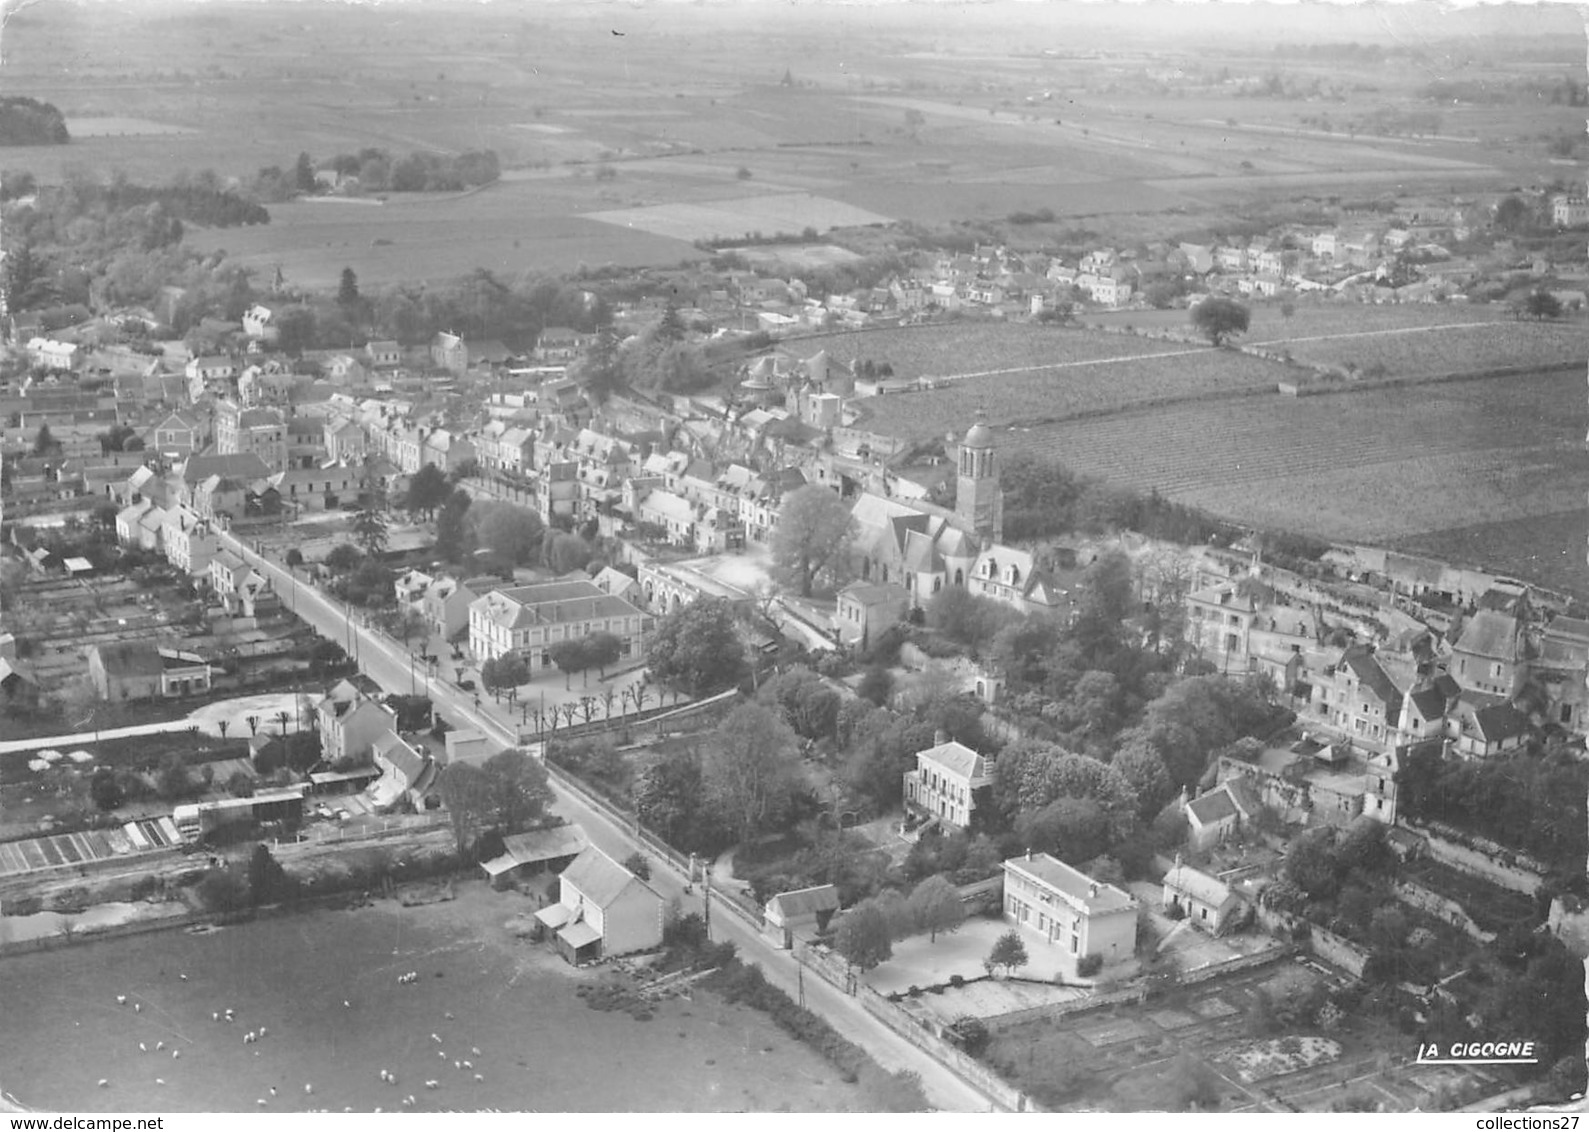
<point x="1313" y="317"/>
<point x="540" y="1047"/>
<point x="931" y="118"/>
<point x="766" y="215"/>
<point x="947" y="348"/>
<point x="1080" y="389"/>
<point x="1370" y="466"/>
<point x="1424" y="351"/>
<point x="122" y="127"/>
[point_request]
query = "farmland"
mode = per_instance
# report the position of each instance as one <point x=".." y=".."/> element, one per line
<point x="1372" y="466"/>
<point x="966" y="347"/>
<point x="783" y="212"/>
<point x="852" y="116"/>
<point x="1423" y="351"/>
<point x="1051" y="375"/>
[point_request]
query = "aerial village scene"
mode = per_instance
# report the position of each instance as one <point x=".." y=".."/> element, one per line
<point x="739" y="557"/>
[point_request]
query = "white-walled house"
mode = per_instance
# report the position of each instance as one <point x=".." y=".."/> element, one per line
<point x="602" y="910"/>
<point x="1064" y="909"/>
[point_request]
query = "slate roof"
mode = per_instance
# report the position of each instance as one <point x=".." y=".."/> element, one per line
<point x="873" y="593"/>
<point x="1429" y="703"/>
<point x="404" y="759"/>
<point x="958" y="759"/>
<point x="546" y="844"/>
<point x="1371" y="676"/>
<point x="805" y="902"/>
<point x="1212" y="807"/>
<point x="243" y="466"/>
<point x="1071" y="882"/>
<point x="1489" y="633"/>
<point x="1500" y="722"/>
<point x="598" y="878"/>
<point x="130" y="658"/>
<point x="1198" y="885"/>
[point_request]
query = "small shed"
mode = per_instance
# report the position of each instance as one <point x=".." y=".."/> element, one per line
<point x="805" y="911"/>
<point x="79" y="567"/>
<point x="541" y="850"/>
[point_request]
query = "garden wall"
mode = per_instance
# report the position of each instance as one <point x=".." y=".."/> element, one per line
<point x="973" y="1072"/>
<point x="1442" y="908"/>
<point x="1479" y="857"/>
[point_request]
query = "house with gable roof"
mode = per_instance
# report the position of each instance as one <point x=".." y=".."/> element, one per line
<point x="407" y="774"/>
<point x="805" y="911"/>
<point x="1561" y="672"/>
<point x="1012" y="576"/>
<point x="865" y="609"/>
<point x="949" y="783"/>
<point x="350" y="722"/>
<point x="1489" y="654"/>
<point x="1485" y="726"/>
<point x="1217" y="815"/>
<point x="1220" y="622"/>
<point x="602" y="910"/>
<point x="1207" y="902"/>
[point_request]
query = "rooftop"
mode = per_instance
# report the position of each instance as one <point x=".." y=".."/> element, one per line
<point x="1096" y="897"/>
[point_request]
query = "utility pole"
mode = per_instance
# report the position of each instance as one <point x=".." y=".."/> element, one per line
<point x="707" y="915"/>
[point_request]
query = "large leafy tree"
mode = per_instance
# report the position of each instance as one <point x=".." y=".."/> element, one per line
<point x="811" y="544"/>
<point x="697" y="648"/>
<point x="519" y="790"/>
<point x="751" y="769"/>
<point x="503" y="672"/>
<point x="466" y="793"/>
<point x="600" y="372"/>
<point x="863" y="936"/>
<point x="428" y="490"/>
<point x="512" y="534"/>
<point x="1218" y="319"/>
<point x="570" y="657"/>
<point x="602" y="649"/>
<point x="670" y="798"/>
<point x="937" y="907"/>
<point x="454" y="533"/>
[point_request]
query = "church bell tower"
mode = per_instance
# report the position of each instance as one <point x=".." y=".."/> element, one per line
<point x="979" y="501"/>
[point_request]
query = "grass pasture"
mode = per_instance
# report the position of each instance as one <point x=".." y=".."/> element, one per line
<point x="433" y="237"/>
<point x="784" y="212"/>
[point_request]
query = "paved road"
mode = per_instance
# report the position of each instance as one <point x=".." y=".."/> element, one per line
<point x="388" y="665"/>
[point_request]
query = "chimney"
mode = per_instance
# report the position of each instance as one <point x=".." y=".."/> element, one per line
<point x="1177" y="858"/>
<point x="940" y="737"/>
<point x="1028" y="854"/>
<point x="1092" y="889"/>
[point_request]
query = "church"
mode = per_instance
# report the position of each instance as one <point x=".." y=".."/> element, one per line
<point x="922" y="547"/>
